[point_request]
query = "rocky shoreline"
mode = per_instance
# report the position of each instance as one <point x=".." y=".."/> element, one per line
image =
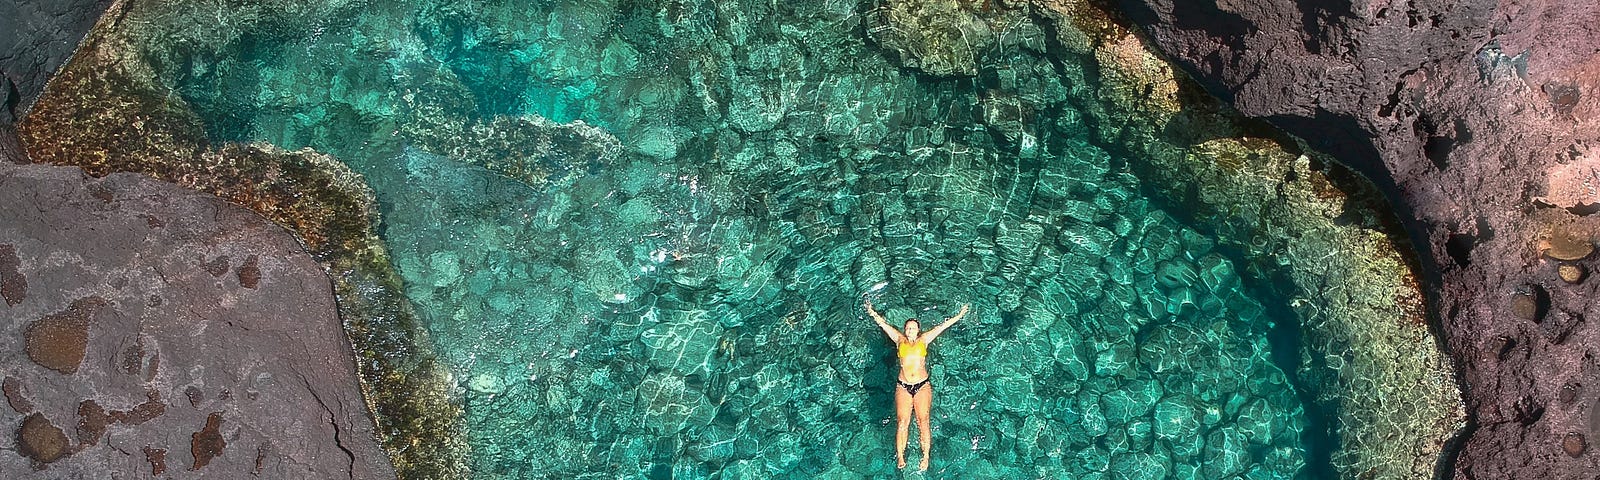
<point x="1477" y="120"/>
<point x="151" y="328"/>
<point x="106" y="120"/>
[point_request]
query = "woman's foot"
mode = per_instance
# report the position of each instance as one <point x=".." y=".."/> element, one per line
<point x="902" y="461"/>
<point x="924" y="466"/>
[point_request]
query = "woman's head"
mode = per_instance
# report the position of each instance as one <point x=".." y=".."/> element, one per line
<point x="913" y="328"/>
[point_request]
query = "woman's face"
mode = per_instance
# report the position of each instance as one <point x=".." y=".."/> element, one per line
<point x="913" y="328"/>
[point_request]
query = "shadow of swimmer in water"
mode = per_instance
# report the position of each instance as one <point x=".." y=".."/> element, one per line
<point x="914" y="393"/>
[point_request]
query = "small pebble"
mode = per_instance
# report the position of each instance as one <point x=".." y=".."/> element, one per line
<point x="1570" y="273"/>
<point x="1574" y="444"/>
<point x="1525" y="306"/>
<point x="1569" y="393"/>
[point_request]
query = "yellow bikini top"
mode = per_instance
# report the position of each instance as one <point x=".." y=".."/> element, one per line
<point x="914" y="348"/>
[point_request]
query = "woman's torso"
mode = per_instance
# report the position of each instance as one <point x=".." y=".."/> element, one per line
<point x="913" y="361"/>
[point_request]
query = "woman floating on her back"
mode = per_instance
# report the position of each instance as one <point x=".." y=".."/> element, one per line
<point x="913" y="392"/>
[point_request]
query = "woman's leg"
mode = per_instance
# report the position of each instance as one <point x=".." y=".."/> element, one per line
<point x="902" y="409"/>
<point x="924" y="403"/>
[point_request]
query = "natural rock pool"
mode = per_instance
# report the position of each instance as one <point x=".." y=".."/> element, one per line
<point x="638" y="235"/>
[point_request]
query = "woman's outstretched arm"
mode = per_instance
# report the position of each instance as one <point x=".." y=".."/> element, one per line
<point x="934" y="333"/>
<point x="887" y="329"/>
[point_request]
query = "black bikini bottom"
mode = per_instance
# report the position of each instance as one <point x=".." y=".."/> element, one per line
<point x="912" y="388"/>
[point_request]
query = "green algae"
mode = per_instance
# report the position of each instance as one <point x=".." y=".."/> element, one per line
<point x="638" y="233"/>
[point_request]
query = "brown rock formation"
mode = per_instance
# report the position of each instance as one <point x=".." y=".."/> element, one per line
<point x="13" y="285"/>
<point x="40" y="440"/>
<point x="207" y="443"/>
<point x="1479" y="120"/>
<point x="57" y="341"/>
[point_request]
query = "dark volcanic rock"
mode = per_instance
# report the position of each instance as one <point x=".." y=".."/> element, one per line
<point x="9" y="98"/>
<point x="36" y="37"/>
<point x="1479" y="119"/>
<point x="139" y="323"/>
<point x="11" y="146"/>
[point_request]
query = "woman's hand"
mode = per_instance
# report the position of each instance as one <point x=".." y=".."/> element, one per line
<point x="964" y="308"/>
<point x="889" y="330"/>
<point x="873" y="312"/>
<point x="934" y="333"/>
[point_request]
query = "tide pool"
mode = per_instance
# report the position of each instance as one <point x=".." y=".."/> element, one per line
<point x="640" y="232"/>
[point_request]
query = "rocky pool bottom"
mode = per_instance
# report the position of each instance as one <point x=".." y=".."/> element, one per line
<point x="678" y="274"/>
<point x="735" y="345"/>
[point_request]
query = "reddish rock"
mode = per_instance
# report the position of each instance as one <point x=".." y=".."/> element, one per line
<point x="250" y="272"/>
<point x="144" y="412"/>
<point x="218" y="267"/>
<point x="13" y="285"/>
<point x="13" y="391"/>
<point x="1574" y="445"/>
<point x="92" y="421"/>
<point x="1480" y="120"/>
<point x="207" y="443"/>
<point x="195" y="396"/>
<point x="133" y="359"/>
<point x="1569" y="393"/>
<point x="157" y="458"/>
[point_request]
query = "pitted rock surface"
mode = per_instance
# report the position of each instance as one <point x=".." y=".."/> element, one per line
<point x="175" y="366"/>
<point x="1480" y="119"/>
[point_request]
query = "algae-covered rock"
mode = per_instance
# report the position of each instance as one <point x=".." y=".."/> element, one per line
<point x="1571" y="273"/>
<point x="940" y="37"/>
<point x="1569" y="244"/>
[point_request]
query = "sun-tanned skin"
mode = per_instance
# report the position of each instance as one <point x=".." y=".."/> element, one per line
<point x="913" y="369"/>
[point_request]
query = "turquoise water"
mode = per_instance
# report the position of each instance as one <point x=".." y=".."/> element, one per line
<point x="672" y="288"/>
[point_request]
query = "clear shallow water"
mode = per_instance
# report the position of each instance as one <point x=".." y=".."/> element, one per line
<point x="687" y="304"/>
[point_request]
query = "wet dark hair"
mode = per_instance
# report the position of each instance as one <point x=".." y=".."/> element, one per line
<point x="913" y="320"/>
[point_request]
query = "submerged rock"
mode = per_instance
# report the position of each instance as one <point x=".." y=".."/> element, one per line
<point x="940" y="37"/>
